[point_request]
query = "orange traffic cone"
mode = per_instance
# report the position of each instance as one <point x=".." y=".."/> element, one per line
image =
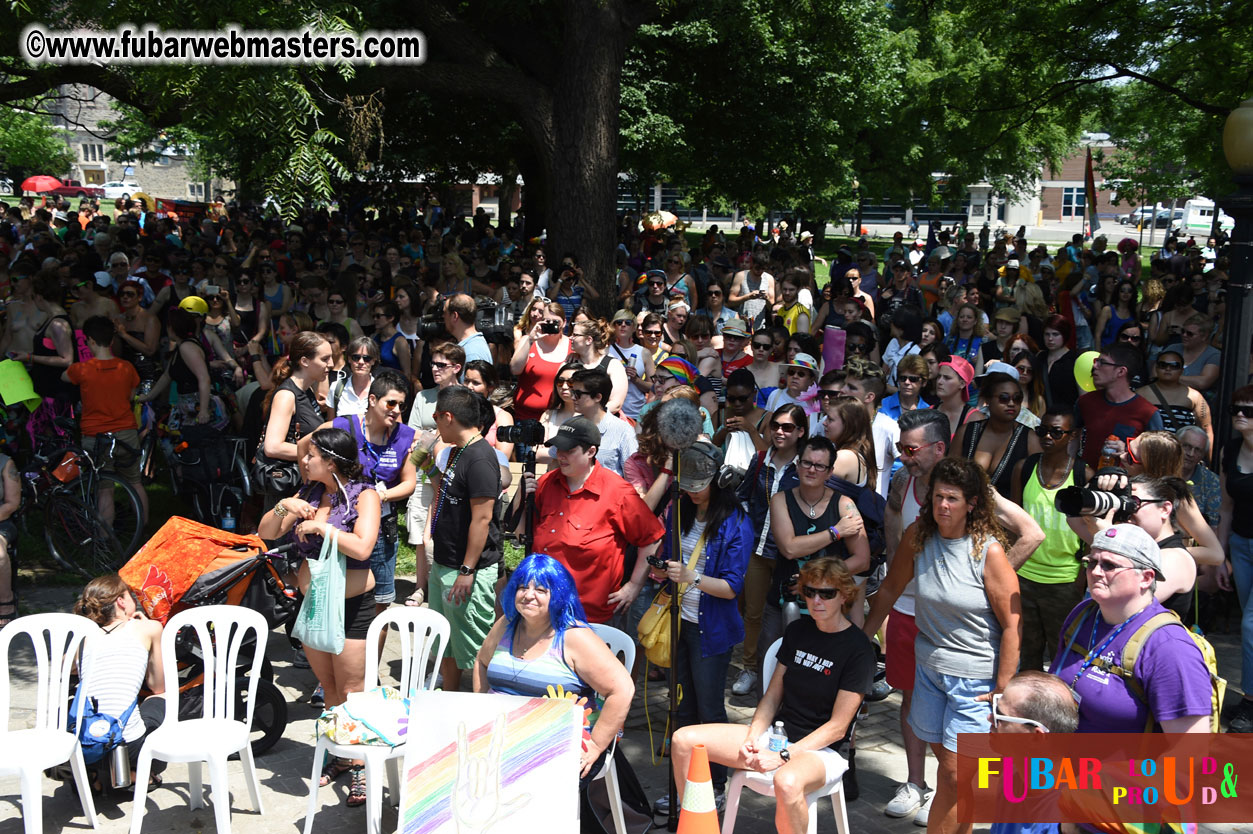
<point x="699" y="814"/>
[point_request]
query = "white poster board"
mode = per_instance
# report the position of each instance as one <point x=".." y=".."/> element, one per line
<point x="472" y="761"/>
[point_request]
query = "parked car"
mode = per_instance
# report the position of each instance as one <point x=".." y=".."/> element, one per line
<point x="118" y="189"/>
<point x="1164" y="218"/>
<point x="74" y="188"/>
<point x="1135" y="218"/>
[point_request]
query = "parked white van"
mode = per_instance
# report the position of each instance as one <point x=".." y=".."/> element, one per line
<point x="1198" y="218"/>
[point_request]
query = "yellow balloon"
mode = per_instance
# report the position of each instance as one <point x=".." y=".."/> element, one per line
<point x="1083" y="370"/>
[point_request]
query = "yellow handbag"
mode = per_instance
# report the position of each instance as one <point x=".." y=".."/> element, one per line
<point x="654" y="627"/>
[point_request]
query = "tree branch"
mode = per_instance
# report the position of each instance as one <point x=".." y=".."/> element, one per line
<point x="1196" y="104"/>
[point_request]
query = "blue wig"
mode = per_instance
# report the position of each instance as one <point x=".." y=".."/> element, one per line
<point x="564" y="607"/>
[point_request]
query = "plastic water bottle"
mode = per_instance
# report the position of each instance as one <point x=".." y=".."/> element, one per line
<point x="778" y="738"/>
<point x="228" y="521"/>
<point x="1111" y="452"/>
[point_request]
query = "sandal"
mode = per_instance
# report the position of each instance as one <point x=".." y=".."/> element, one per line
<point x="9" y="616"/>
<point x="356" y="791"/>
<point x="335" y="767"/>
<point x="416" y="599"/>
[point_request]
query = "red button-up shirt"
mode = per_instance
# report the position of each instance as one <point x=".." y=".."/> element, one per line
<point x="588" y="531"/>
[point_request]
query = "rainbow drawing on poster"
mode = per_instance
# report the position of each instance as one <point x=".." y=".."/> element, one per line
<point x="497" y="755"/>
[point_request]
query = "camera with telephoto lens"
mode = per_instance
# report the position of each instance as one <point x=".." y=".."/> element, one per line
<point x="1078" y="501"/>
<point x="523" y="432"/>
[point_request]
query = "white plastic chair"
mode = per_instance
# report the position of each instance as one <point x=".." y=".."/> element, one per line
<point x="56" y="639"/>
<point x="220" y="632"/>
<point x="763" y="783"/>
<point x="417" y="629"/>
<point x="618" y="641"/>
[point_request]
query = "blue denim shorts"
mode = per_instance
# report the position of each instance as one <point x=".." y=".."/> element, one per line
<point x="383" y="560"/>
<point x="945" y="705"/>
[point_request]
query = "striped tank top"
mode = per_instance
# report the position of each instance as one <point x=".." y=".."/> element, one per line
<point x="539" y="678"/>
<point x="113" y="669"/>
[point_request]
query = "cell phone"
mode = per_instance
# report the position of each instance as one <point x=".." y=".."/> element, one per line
<point x="212" y="289"/>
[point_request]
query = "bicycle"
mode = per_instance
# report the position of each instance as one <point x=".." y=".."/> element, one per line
<point x="210" y="471"/>
<point x="66" y="483"/>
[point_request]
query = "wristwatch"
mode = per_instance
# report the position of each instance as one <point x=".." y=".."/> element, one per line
<point x="696" y="581"/>
<point x="785" y="755"/>
<point x="465" y="570"/>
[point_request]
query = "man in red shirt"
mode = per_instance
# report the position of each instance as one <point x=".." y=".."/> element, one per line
<point x="586" y="516"/>
<point x="106" y="385"/>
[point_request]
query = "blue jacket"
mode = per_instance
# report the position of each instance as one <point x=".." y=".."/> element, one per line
<point x="754" y="493"/>
<point x="726" y="558"/>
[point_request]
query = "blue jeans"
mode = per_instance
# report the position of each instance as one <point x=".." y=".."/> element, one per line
<point x="1242" y="573"/>
<point x="702" y="682"/>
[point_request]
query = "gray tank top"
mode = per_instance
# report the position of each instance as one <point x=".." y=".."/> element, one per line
<point x="957" y="632"/>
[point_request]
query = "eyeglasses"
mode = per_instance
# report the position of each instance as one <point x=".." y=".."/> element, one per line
<point x="1004" y="398"/>
<point x="1129" y="337"/>
<point x="809" y="592"/>
<point x="1105" y="363"/>
<point x="998" y="716"/>
<point x="777" y="426"/>
<point x="1106" y="566"/>
<point x="910" y="451"/>
<point x="334" y="301"/>
<point x="1241" y="411"/>
<point x="1055" y="432"/>
<point x="439" y="366"/>
<point x="814" y="466"/>
<point x="1132" y="456"/>
<point x="380" y="315"/>
<point x="1170" y="366"/>
<point x="366" y="358"/>
<point x="910" y="378"/>
<point x="624" y="323"/>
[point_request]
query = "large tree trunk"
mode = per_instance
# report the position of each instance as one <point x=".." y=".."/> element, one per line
<point x="581" y="162"/>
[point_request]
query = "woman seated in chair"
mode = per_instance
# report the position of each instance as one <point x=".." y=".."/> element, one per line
<point x="543" y="643"/>
<point x="816" y="700"/>
<point x="121" y="659"/>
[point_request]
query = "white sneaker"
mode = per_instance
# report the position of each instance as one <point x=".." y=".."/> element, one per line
<point x="920" y="818"/>
<point x="744" y="683"/>
<point x="907" y="801"/>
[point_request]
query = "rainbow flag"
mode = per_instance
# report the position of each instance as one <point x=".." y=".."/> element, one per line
<point x="1089" y="191"/>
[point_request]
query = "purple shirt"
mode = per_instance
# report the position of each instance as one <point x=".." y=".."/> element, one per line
<point x="1169" y="667"/>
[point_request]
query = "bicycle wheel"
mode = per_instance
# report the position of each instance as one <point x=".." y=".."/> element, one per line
<point x="127" y="514"/>
<point x="76" y="537"/>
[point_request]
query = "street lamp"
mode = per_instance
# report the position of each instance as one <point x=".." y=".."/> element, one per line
<point x="1238" y="148"/>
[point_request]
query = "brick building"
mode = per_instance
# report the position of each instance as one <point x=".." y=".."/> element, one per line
<point x="1063" y="191"/>
<point x="80" y="112"/>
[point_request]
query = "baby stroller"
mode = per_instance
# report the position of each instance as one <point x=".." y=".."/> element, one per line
<point x="187" y="564"/>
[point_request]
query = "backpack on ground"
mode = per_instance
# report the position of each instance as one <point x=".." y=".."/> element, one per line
<point x="1125" y="668"/>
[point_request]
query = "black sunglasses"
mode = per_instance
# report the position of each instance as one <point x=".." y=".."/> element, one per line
<point x="1051" y="431"/>
<point x="910" y="378"/>
<point x="1008" y="398"/>
<point x="809" y="592"/>
<point x="763" y="345"/>
<point x="1169" y="366"/>
<point x="1242" y="411"/>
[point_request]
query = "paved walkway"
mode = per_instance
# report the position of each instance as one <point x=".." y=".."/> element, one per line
<point x="284" y="770"/>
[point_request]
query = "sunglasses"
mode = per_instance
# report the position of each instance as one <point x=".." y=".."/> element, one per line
<point x="1170" y="366"/>
<point x="1106" y="566"/>
<point x="439" y="366"/>
<point x="1132" y="456"/>
<point x="910" y="378"/>
<point x="763" y="345"/>
<point x="1191" y="334"/>
<point x="910" y="451"/>
<point x="777" y="426"/>
<point x="828" y="395"/>
<point x="799" y="372"/>
<point x="856" y="347"/>
<point x="1241" y="411"/>
<point x="268" y="269"/>
<point x="1129" y="337"/>
<point x="1054" y="432"/>
<point x="1004" y="399"/>
<point x="809" y="592"/>
<point x="565" y="383"/>
<point x="576" y="393"/>
<point x="128" y="294"/>
<point x="652" y="333"/>
<point x="365" y="357"/>
<point x="334" y="301"/>
<point x="712" y="293"/>
<point x="743" y="399"/>
<point x="998" y="716"/>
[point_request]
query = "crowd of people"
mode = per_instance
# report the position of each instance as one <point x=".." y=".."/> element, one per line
<point x="878" y="491"/>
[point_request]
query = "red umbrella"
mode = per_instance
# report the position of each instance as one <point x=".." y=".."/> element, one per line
<point x="40" y="183"/>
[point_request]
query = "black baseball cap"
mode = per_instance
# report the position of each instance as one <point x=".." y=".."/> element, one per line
<point x="577" y="431"/>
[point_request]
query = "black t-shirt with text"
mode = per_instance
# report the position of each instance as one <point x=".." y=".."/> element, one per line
<point x="818" y="666"/>
<point x="475" y="474"/>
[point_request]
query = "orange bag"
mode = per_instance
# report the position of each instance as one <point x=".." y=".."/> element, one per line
<point x="176" y="556"/>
